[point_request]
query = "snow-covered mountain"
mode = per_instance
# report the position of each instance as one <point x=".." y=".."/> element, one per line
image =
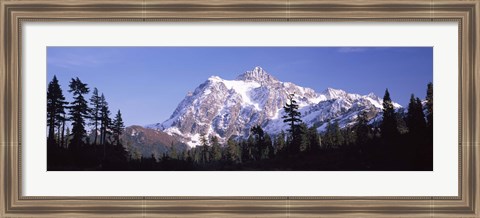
<point x="228" y="108"/>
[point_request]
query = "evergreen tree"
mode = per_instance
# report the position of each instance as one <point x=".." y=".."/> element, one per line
<point x="205" y="149"/>
<point x="313" y="139"/>
<point x="105" y="121"/>
<point x="233" y="150"/>
<point x="96" y="103"/>
<point x="185" y="155"/>
<point x="197" y="154"/>
<point x="251" y="148"/>
<point x="329" y="135"/>
<point x="415" y="117"/>
<point x="349" y="136"/>
<point x="280" y="142"/>
<point x="303" y="141"/>
<point x="117" y="127"/>
<point x="338" y="139"/>
<point x="430" y="106"/>
<point x="400" y="117"/>
<point x="259" y="142"/>
<point x="216" y="150"/>
<point x="67" y="138"/>
<point x="78" y="110"/>
<point x="389" y="122"/>
<point x="422" y="124"/>
<point x="333" y="136"/>
<point x="63" y="120"/>
<point x="270" y="150"/>
<point x="292" y="117"/>
<point x="362" y="129"/>
<point x="245" y="150"/>
<point x="188" y="156"/>
<point x="55" y="108"/>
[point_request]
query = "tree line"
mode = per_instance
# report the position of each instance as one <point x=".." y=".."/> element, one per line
<point x="75" y="144"/>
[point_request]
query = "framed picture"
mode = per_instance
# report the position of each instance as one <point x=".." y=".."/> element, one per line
<point x="233" y="108"/>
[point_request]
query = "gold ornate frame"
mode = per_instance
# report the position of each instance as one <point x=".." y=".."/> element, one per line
<point x="14" y="12"/>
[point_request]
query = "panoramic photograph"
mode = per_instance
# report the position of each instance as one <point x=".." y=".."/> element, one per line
<point x="239" y="108"/>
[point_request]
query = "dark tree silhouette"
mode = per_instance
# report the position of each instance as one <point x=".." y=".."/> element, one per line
<point x="63" y="123"/>
<point x="233" y="151"/>
<point x="96" y="103"/>
<point x="251" y="148"/>
<point x="216" y="150"/>
<point x="105" y="121"/>
<point x="362" y="129"/>
<point x="333" y="137"/>
<point x="117" y="127"/>
<point x="55" y="109"/>
<point x="280" y="142"/>
<point x="292" y="114"/>
<point x="314" y="141"/>
<point x="67" y="138"/>
<point x="389" y="123"/>
<point x="339" y="139"/>
<point x="292" y="117"/>
<point x="303" y="140"/>
<point x="259" y="140"/>
<point x="415" y="118"/>
<point x="205" y="149"/>
<point x="429" y="105"/>
<point x="78" y="110"/>
<point x="329" y="136"/>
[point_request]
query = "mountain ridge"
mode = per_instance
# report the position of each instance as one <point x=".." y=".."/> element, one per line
<point x="226" y="108"/>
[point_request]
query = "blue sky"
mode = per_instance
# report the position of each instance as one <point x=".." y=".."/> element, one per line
<point x="147" y="83"/>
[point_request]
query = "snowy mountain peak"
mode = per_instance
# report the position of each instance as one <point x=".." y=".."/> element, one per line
<point x="372" y="95"/>
<point x="214" y="78"/>
<point x="332" y="93"/>
<point x="258" y="74"/>
<point x="226" y="108"/>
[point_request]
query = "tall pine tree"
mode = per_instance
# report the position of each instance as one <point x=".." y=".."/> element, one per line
<point x="362" y="129"/>
<point x="117" y="127"/>
<point x="389" y="122"/>
<point x="78" y="111"/>
<point x="55" y="108"/>
<point x="415" y="117"/>
<point x="105" y="120"/>
<point x="292" y="117"/>
<point x="314" y="142"/>
<point x="63" y="121"/>
<point x="95" y="102"/>
<point x="270" y="150"/>
<point x="259" y="141"/>
<point x="216" y="150"/>
<point x="67" y="138"/>
<point x="233" y="151"/>
<point x="339" y="139"/>
<point x="204" y="149"/>
<point x="329" y="136"/>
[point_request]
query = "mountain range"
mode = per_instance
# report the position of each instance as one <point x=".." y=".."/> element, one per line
<point x="229" y="108"/>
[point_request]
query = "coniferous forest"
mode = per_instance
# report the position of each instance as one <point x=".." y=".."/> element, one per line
<point x="83" y="134"/>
